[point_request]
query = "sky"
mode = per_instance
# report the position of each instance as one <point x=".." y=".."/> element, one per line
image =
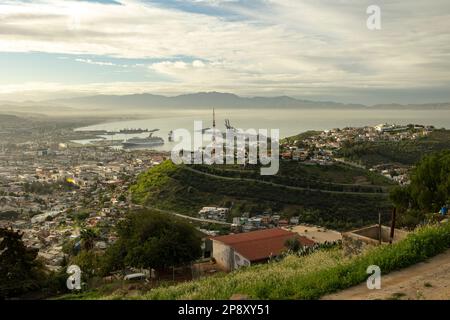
<point x="310" y="49"/>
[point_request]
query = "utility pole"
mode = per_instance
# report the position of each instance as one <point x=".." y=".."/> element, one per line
<point x="394" y="217"/>
<point x="379" y="227"/>
<point x="214" y="128"/>
<point x="214" y="134"/>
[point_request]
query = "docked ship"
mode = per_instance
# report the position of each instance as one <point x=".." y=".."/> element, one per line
<point x="131" y="131"/>
<point x="147" y="142"/>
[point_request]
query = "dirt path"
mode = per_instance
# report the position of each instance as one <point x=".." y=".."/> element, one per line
<point x="428" y="280"/>
<point x="189" y="217"/>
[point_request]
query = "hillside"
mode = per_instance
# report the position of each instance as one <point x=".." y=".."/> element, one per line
<point x="313" y="276"/>
<point x="407" y="152"/>
<point x="324" y="196"/>
<point x="300" y="277"/>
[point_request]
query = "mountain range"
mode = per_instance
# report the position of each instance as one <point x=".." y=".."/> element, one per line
<point x="201" y="100"/>
<point x="219" y="100"/>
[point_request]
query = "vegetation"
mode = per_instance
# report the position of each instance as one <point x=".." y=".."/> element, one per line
<point x="146" y="239"/>
<point x="182" y="190"/>
<point x="8" y="215"/>
<point x="20" y="271"/>
<point x="299" y="138"/>
<point x="406" y="152"/>
<point x="48" y="188"/>
<point x="90" y="262"/>
<point x="153" y="240"/>
<point x="429" y="189"/>
<point x="80" y="216"/>
<point x="312" y="276"/>
<point x="293" y="244"/>
<point x="88" y="237"/>
<point x="336" y="177"/>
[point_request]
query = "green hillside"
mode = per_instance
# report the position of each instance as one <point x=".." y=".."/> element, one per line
<point x="186" y="189"/>
<point x="407" y="152"/>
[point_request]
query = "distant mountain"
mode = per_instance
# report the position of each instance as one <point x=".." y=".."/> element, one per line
<point x="33" y="108"/>
<point x="425" y="106"/>
<point x="196" y="100"/>
<point x="146" y="101"/>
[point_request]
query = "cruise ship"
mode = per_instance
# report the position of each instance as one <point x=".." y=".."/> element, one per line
<point x="149" y="141"/>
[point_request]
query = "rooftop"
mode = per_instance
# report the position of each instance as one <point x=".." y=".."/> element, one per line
<point x="261" y="244"/>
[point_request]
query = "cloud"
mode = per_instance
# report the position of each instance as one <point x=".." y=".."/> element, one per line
<point x="101" y="63"/>
<point x="280" y="46"/>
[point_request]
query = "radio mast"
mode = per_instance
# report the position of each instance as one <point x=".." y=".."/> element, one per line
<point x="214" y="133"/>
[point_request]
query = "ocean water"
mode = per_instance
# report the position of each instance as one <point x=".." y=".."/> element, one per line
<point x="288" y="121"/>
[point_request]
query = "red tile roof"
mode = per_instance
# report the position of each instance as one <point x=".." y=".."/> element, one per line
<point x="261" y="244"/>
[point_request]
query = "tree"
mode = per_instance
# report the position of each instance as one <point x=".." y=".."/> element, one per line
<point x="292" y="244"/>
<point x="153" y="240"/>
<point x="87" y="237"/>
<point x="429" y="189"/>
<point x="20" y="271"/>
<point x="430" y="184"/>
<point x="81" y="216"/>
<point x="401" y="197"/>
<point x="88" y="261"/>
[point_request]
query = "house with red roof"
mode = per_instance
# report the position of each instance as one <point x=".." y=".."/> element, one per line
<point x="237" y="250"/>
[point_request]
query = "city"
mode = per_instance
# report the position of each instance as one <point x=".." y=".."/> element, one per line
<point x="53" y="188"/>
<point x="232" y="158"/>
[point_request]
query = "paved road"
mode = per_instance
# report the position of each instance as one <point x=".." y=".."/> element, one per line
<point x="284" y="186"/>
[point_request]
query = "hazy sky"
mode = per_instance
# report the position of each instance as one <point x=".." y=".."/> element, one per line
<point x="312" y="49"/>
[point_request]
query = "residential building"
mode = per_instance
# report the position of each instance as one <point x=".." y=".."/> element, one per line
<point x="237" y="250"/>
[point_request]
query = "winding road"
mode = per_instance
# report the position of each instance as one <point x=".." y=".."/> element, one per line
<point x="380" y="194"/>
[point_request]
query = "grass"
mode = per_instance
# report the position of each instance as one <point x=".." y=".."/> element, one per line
<point x="312" y="276"/>
<point x="175" y="188"/>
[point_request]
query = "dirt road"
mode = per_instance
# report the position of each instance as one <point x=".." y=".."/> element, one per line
<point x="428" y="280"/>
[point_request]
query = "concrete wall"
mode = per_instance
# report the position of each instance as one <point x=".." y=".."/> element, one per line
<point x="359" y="240"/>
<point x="223" y="255"/>
<point x="373" y="232"/>
<point x="226" y="258"/>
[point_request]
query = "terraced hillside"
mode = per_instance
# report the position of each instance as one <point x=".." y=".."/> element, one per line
<point x="325" y="200"/>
